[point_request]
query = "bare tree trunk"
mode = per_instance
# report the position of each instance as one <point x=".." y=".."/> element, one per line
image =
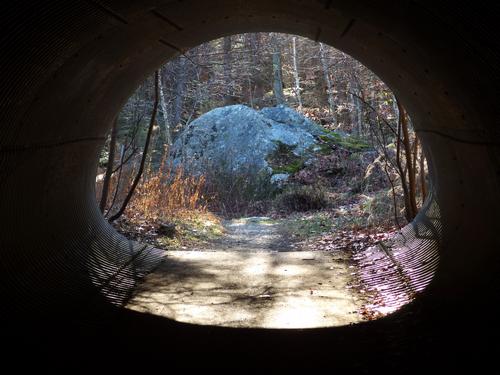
<point x="179" y="91"/>
<point x="296" y="71"/>
<point x="250" y="94"/>
<point x="408" y="184"/>
<point x="393" y="191"/>
<point x="163" y="105"/>
<point x="329" y="86"/>
<point x="227" y="66"/>
<point x="357" y="109"/>
<point x="382" y="143"/>
<point x="258" y="82"/>
<point x="144" y="154"/>
<point x="409" y="160"/>
<point x="109" y="167"/>
<point x="206" y="77"/>
<point x="277" y="72"/>
<point x="423" y="184"/>
<point x="402" y="175"/>
<point x="414" y="159"/>
<point x="118" y="180"/>
<point x="249" y="60"/>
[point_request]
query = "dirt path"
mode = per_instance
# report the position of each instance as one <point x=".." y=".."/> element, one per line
<point x="251" y="278"/>
<point x="252" y="234"/>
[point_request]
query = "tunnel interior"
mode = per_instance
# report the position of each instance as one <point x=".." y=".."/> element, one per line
<point x="68" y="69"/>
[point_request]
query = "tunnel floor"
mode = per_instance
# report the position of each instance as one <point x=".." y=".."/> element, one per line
<point x="252" y="278"/>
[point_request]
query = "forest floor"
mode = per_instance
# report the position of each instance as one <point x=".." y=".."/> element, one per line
<point x="256" y="274"/>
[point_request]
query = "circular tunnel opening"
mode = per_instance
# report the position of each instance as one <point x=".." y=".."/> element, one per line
<point x="276" y="173"/>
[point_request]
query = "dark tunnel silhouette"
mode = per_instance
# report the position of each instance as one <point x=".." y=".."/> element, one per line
<point x="68" y="67"/>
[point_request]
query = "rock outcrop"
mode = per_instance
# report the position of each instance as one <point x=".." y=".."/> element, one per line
<point x="238" y="138"/>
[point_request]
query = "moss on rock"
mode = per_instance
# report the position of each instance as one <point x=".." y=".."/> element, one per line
<point x="284" y="160"/>
<point x="349" y="142"/>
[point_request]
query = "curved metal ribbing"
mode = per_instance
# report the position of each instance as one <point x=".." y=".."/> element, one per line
<point x="67" y="68"/>
<point x="395" y="272"/>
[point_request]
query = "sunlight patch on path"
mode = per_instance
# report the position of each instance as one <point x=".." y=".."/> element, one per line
<point x="252" y="234"/>
<point x="265" y="289"/>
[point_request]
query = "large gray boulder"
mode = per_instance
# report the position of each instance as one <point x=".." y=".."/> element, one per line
<point x="286" y="115"/>
<point x="238" y="138"/>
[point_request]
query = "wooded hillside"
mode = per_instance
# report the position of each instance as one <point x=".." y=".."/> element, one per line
<point x="263" y="70"/>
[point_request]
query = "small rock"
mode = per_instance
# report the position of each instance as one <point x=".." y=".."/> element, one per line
<point x="279" y="179"/>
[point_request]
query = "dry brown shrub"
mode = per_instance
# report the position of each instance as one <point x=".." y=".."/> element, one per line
<point x="160" y="194"/>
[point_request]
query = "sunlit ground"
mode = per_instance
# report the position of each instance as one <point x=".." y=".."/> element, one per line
<point x="251" y="289"/>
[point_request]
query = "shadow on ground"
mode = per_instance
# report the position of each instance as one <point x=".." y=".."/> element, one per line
<point x="252" y="285"/>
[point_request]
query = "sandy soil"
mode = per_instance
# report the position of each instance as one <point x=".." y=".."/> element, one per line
<point x="251" y="278"/>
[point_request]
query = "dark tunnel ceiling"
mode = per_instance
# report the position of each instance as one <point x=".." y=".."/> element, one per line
<point x="68" y="68"/>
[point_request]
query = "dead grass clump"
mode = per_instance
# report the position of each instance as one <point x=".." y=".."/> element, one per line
<point x="166" y="193"/>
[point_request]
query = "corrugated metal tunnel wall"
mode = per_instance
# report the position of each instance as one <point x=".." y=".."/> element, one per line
<point x="67" y="67"/>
